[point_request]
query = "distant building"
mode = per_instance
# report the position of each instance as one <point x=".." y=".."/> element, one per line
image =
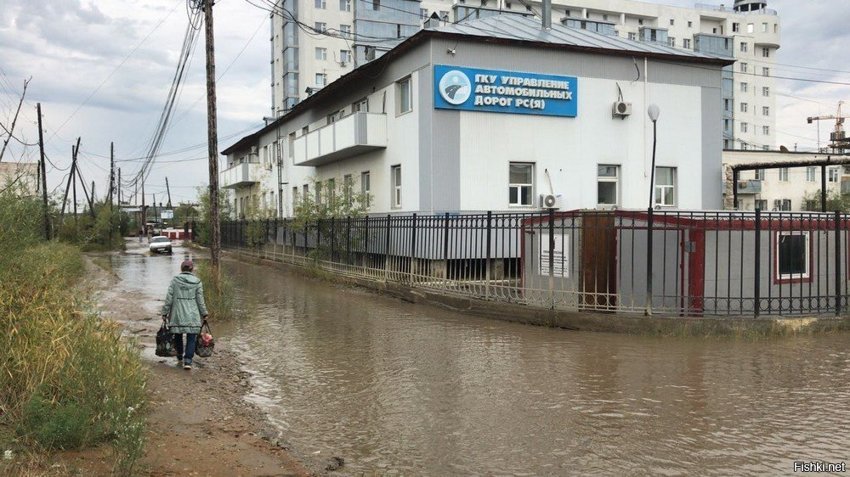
<point x="497" y="114"/>
<point x="314" y="42"/>
<point x="21" y="174"/>
<point x="782" y="189"/>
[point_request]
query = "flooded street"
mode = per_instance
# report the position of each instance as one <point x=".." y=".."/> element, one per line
<point x="399" y="388"/>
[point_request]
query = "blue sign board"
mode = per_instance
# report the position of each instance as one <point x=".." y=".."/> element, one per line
<point x="496" y="91"/>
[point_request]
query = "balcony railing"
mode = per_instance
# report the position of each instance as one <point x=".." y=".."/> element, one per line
<point x="347" y="137"/>
<point x="240" y="175"/>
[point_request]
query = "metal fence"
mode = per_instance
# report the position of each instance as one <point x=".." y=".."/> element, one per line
<point x="666" y="262"/>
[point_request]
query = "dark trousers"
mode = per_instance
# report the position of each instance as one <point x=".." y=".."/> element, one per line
<point x="191" y="339"/>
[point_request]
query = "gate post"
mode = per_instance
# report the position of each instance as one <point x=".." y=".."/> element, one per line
<point x="837" y="263"/>
<point x="412" y="246"/>
<point x="487" y="262"/>
<point x="757" y="265"/>
<point x="552" y="258"/>
<point x="387" y="250"/>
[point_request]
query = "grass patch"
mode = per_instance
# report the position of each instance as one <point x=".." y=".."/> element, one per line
<point x="219" y="292"/>
<point x="66" y="379"/>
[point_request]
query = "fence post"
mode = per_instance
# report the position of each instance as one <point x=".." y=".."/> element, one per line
<point x="487" y="262"/>
<point x="757" y="267"/>
<point x="365" y="257"/>
<point x="412" y="246"/>
<point x="649" y="224"/>
<point x="837" y="263"/>
<point x="333" y="238"/>
<point x="552" y="258"/>
<point x="318" y="238"/>
<point x="446" y="245"/>
<point x="348" y="240"/>
<point x="387" y="251"/>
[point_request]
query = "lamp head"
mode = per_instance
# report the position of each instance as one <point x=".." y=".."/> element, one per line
<point x="653" y="111"/>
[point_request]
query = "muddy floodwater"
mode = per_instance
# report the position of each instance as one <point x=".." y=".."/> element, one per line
<point x="393" y="387"/>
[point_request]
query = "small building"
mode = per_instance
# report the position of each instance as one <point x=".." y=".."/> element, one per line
<point x="497" y="114"/>
<point x="784" y="188"/>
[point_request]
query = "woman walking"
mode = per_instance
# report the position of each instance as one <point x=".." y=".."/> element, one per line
<point x="184" y="303"/>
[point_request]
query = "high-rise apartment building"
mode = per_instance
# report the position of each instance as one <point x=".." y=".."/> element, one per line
<point x="314" y="42"/>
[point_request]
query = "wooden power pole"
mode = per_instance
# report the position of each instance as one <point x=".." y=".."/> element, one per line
<point x="212" y="139"/>
<point x="43" y="174"/>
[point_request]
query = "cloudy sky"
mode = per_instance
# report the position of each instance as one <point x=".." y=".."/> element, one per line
<point x="101" y="70"/>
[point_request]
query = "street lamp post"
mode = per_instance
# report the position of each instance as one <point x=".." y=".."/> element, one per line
<point x="653" y="113"/>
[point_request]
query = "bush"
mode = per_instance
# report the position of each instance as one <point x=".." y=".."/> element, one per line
<point x="220" y="300"/>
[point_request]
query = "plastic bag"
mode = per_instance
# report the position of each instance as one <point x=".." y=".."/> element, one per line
<point x="206" y="342"/>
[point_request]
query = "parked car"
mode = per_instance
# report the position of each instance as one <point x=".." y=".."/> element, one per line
<point x="159" y="244"/>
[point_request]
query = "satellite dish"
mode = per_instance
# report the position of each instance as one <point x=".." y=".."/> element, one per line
<point x="783" y="149"/>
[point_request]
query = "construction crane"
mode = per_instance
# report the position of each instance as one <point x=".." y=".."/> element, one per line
<point x="839" y="140"/>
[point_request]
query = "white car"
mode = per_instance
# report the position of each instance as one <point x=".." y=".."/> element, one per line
<point x="160" y="243"/>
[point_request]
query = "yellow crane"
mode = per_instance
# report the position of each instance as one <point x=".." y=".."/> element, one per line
<point x="839" y="140"/>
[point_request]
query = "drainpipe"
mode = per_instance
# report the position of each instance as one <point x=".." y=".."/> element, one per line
<point x="547" y="14"/>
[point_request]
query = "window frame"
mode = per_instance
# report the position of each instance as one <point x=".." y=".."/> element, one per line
<point x="519" y="186"/>
<point x="321" y="53"/>
<point x="402" y="106"/>
<point x="608" y="180"/>
<point x="804" y="277"/>
<point x="345" y="5"/>
<point x="659" y="189"/>
<point x="366" y="187"/>
<point x="395" y="186"/>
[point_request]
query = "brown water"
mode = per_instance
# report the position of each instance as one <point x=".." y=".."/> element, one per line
<point x="399" y="388"/>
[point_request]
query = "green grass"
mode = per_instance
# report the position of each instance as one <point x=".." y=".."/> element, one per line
<point x="219" y="292"/>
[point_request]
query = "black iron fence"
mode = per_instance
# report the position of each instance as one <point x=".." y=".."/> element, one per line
<point x="666" y="262"/>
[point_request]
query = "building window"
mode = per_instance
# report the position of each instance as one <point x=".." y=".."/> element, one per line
<point x="665" y="186"/>
<point x="330" y="191"/>
<point x="761" y="204"/>
<point x="632" y="36"/>
<point x="744" y="47"/>
<point x="744" y="87"/>
<point x="744" y="107"/>
<point x="690" y="24"/>
<point x="744" y="67"/>
<point x="671" y="41"/>
<point x="376" y="5"/>
<point x="672" y="22"/>
<point x="765" y="110"/>
<point x="640" y="21"/>
<point x="833" y="174"/>
<point x="321" y="54"/>
<point x="765" y="71"/>
<point x="792" y="255"/>
<point x="423" y="13"/>
<point x="607" y="179"/>
<point x="783" y="174"/>
<point x="395" y="179"/>
<point x="764" y="27"/>
<point x="810" y="174"/>
<point x="736" y="27"/>
<point x="765" y="130"/>
<point x="727" y="105"/>
<point x="765" y="91"/>
<point x="365" y="187"/>
<point x="759" y="174"/>
<point x="360" y="106"/>
<point x="321" y="79"/>
<point x="765" y="52"/>
<point x="321" y="27"/>
<point x="318" y="192"/>
<point x="305" y="191"/>
<point x="345" y="31"/>
<point x="347" y="188"/>
<point x="345" y="5"/>
<point x="320" y="4"/>
<point x="295" y="195"/>
<point x="750" y="28"/>
<point x="745" y="127"/>
<point x="521" y="184"/>
<point x="405" y="97"/>
<point x="345" y="56"/>
<point x="686" y="43"/>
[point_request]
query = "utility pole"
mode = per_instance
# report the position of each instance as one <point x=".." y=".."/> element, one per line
<point x="144" y="209"/>
<point x="71" y="179"/>
<point x="43" y="174"/>
<point x="168" y="190"/>
<point x="111" y="187"/>
<point x="118" y="188"/>
<point x="74" y="174"/>
<point x="212" y="140"/>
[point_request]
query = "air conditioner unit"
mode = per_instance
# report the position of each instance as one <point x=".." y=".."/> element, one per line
<point x="621" y="109"/>
<point x="550" y="201"/>
<point x="343" y="64"/>
<point x="254" y="150"/>
<point x="370" y="53"/>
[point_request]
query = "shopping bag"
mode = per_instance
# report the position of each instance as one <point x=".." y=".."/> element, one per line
<point x="206" y="342"/>
<point x="165" y="342"/>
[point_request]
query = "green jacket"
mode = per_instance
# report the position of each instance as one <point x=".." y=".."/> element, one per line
<point x="185" y="303"/>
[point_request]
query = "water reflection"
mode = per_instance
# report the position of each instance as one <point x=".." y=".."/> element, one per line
<point x="392" y="386"/>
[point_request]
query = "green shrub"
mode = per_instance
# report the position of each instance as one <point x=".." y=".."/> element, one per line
<point x="220" y="299"/>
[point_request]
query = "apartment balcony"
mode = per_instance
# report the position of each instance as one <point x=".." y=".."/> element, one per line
<point x="240" y="175"/>
<point x="749" y="187"/>
<point x="350" y="136"/>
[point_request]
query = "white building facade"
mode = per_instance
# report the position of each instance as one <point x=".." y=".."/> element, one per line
<point x="535" y="116"/>
<point x="314" y="42"/>
<point x="781" y="189"/>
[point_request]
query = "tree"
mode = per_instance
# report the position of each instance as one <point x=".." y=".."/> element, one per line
<point x="324" y="213"/>
<point x="204" y="233"/>
<point x="834" y="201"/>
